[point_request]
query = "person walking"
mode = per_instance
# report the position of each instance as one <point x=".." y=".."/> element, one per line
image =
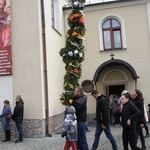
<point x="115" y="110"/>
<point x="145" y="123"/>
<point x="119" y="101"/>
<point x="102" y="119"/>
<point x="138" y="101"/>
<point x="112" y="118"/>
<point x="6" y="115"/>
<point x="129" y="113"/>
<point x="18" y="117"/>
<point x="70" y="129"/>
<point x="79" y="102"/>
<point x="148" y="112"/>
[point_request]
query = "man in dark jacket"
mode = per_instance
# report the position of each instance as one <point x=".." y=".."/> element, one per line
<point x="18" y="117"/>
<point x="79" y="103"/>
<point x="102" y="118"/>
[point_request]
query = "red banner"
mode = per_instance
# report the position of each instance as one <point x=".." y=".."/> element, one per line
<point x="5" y="38"/>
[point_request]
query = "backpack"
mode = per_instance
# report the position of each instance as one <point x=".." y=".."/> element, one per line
<point x="106" y="97"/>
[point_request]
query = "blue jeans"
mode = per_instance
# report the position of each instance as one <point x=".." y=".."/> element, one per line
<point x="20" y="130"/>
<point x="82" y="141"/>
<point x="108" y="134"/>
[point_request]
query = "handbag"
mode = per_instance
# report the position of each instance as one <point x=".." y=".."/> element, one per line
<point x="63" y="134"/>
<point x="8" y="116"/>
<point x="119" y="107"/>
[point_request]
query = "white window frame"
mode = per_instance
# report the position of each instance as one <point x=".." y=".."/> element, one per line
<point x="55" y="15"/>
<point x="121" y="21"/>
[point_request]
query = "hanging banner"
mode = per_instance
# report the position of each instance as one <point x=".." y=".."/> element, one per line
<point x="5" y="38"/>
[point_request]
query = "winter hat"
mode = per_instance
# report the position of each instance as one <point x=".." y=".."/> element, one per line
<point x="19" y="97"/>
<point x="71" y="110"/>
<point x="124" y="92"/>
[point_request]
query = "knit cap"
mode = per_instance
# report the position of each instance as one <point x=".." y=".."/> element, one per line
<point x="124" y="92"/>
<point x="19" y="97"/>
<point x="71" y="110"/>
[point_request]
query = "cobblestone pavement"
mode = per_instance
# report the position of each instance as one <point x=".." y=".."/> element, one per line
<point x="57" y="143"/>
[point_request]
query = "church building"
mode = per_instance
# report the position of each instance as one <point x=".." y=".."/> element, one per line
<point x="117" y="56"/>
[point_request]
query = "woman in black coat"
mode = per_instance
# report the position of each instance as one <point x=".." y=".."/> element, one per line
<point x="138" y="101"/>
<point x="129" y="113"/>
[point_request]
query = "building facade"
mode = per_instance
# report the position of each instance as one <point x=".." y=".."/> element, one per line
<point x="122" y="29"/>
<point x="37" y="69"/>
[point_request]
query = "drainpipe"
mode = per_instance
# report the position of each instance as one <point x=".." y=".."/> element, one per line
<point x="95" y="85"/>
<point x="45" y="71"/>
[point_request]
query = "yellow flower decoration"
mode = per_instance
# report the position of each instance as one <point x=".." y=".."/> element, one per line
<point x="71" y="86"/>
<point x="62" y="101"/>
<point x="85" y="35"/>
<point x="75" y="28"/>
<point x="70" y="64"/>
<point x="65" y="84"/>
<point x="67" y="35"/>
<point x="70" y="101"/>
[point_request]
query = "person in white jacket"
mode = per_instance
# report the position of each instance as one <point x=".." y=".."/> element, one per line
<point x="70" y="129"/>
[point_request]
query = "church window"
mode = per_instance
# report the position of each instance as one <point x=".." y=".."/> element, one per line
<point x="112" y="38"/>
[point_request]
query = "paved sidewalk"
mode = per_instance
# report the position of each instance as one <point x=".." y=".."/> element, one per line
<point x="57" y="143"/>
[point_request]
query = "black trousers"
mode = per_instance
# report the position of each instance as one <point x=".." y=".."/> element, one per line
<point x="140" y="133"/>
<point x="117" y="117"/>
<point x="146" y="128"/>
<point x="130" y="136"/>
<point x="7" y="134"/>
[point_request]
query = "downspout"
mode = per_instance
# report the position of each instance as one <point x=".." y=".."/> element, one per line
<point x="45" y="71"/>
<point x="95" y="85"/>
<point x="136" y="82"/>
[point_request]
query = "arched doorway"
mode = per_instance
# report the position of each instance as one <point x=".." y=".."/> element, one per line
<point x="115" y="75"/>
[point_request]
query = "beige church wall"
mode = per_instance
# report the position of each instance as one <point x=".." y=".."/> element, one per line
<point x="131" y="85"/>
<point x="137" y="43"/>
<point x="27" y="57"/>
<point x="6" y="91"/>
<point x="138" y="48"/>
<point x="54" y="42"/>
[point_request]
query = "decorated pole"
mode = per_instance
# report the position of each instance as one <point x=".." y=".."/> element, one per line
<point x="73" y="52"/>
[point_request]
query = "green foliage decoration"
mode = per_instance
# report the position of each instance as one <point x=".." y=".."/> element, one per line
<point x="73" y="52"/>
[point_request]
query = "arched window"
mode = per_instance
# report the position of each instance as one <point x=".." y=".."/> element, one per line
<point x="112" y="38"/>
